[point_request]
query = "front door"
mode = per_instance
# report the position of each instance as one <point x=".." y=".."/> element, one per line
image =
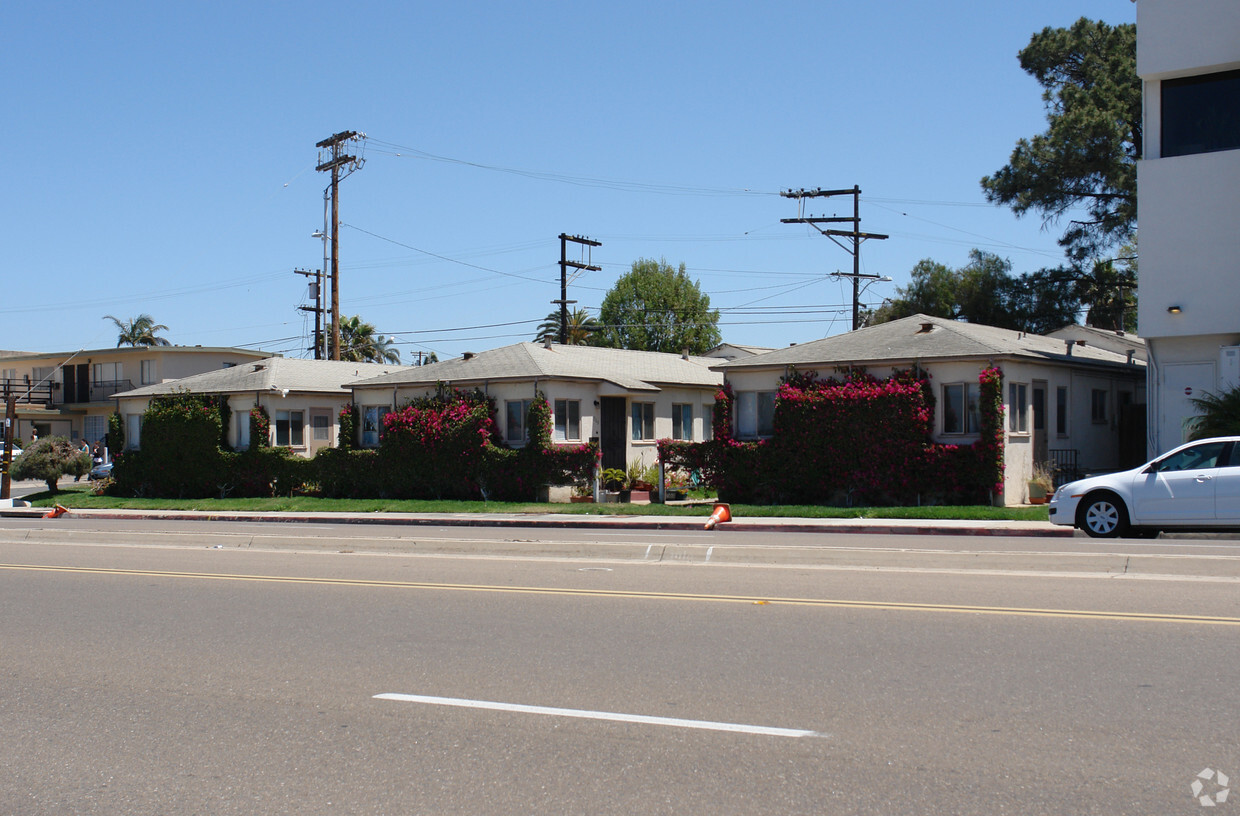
<point x="612" y="415"/>
<point x="1041" y="450"/>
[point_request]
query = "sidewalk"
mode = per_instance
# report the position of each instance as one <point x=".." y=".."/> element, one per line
<point x="617" y="522"/>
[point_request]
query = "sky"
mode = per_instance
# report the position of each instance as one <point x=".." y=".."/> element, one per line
<point x="162" y="159"/>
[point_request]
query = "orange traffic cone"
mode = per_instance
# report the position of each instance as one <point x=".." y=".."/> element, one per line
<point x="722" y="513"/>
<point x="56" y="512"/>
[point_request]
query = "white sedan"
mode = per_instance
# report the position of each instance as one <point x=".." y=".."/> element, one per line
<point x="1195" y="486"/>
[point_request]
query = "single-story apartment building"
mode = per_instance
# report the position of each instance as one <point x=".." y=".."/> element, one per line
<point x="1075" y="406"/>
<point x="303" y="399"/>
<point x="625" y="400"/>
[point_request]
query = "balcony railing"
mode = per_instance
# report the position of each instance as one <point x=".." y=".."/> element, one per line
<point x="26" y="392"/>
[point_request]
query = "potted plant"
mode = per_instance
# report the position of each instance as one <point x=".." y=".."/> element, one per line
<point x="583" y="492"/>
<point x="1041" y="484"/>
<point x="614" y="481"/>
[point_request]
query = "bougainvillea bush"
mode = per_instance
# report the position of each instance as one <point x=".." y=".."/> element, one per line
<point x="854" y="440"/>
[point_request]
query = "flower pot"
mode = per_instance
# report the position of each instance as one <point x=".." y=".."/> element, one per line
<point x="582" y="500"/>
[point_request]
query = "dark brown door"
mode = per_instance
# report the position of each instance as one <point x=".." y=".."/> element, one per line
<point x="612" y="416"/>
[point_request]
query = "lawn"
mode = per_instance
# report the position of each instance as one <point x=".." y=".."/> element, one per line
<point x="79" y="496"/>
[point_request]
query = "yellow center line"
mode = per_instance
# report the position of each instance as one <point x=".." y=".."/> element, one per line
<point x="1086" y="614"/>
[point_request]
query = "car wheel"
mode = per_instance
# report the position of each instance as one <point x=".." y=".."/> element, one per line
<point x="1102" y="515"/>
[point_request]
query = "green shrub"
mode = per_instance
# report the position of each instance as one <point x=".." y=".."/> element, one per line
<point x="48" y="460"/>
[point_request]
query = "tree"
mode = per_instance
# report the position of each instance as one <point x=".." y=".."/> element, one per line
<point x="985" y="291"/>
<point x="49" y="459"/>
<point x="1087" y="157"/>
<point x="654" y="307"/>
<point x="1220" y="414"/>
<point x="138" y="331"/>
<point x="360" y="344"/>
<point x="580" y="328"/>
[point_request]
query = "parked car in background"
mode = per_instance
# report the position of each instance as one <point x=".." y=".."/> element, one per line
<point x="101" y="471"/>
<point x="1194" y="487"/>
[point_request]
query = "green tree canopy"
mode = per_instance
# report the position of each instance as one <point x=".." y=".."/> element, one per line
<point x="1087" y="156"/>
<point x="49" y="459"/>
<point x="654" y="307"/>
<point x="138" y="331"/>
<point x="985" y="291"/>
<point x="580" y="328"/>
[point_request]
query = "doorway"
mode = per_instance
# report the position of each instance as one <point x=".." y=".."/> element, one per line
<point x="612" y="442"/>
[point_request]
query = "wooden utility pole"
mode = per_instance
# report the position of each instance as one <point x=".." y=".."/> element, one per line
<point x="565" y="263"/>
<point x="855" y="234"/>
<point x="10" y="419"/>
<point x="338" y="159"/>
<point x="317" y="308"/>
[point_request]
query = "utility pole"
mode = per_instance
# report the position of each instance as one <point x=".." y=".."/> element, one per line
<point x="317" y="288"/>
<point x="855" y="234"/>
<point x="565" y="263"/>
<point x="10" y="419"/>
<point x="338" y="159"/>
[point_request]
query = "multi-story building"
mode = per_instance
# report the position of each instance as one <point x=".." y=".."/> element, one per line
<point x="1188" y="196"/>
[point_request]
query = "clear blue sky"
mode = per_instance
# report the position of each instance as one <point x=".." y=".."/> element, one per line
<point x="161" y="158"/>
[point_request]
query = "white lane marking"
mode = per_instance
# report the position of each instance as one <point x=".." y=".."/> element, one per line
<point x="707" y="725"/>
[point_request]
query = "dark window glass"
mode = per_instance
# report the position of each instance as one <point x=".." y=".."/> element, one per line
<point x="1201" y="114"/>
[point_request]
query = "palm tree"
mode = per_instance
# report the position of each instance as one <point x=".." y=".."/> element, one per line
<point x="139" y="331"/>
<point x="360" y="344"/>
<point x="580" y="327"/>
<point x="1220" y="414"/>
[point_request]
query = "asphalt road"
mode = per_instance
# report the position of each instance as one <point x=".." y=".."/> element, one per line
<point x="180" y="672"/>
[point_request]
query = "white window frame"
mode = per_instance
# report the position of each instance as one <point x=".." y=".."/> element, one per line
<point x="970" y="419"/>
<point x="567" y="420"/>
<point x="1018" y="408"/>
<point x="682" y="421"/>
<point x="641" y="421"/>
<point x="242" y="420"/>
<point x="515" y="432"/>
<point x="133" y="431"/>
<point x="147" y="371"/>
<point x="372" y="424"/>
<point x="295" y="428"/>
<point x="751" y="407"/>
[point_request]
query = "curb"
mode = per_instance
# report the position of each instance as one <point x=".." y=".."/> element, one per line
<point x="838" y="526"/>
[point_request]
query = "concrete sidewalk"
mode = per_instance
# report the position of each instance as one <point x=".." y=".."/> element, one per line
<point x="852" y="526"/>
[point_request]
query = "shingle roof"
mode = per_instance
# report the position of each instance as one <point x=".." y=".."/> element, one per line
<point x="271" y="374"/>
<point x="632" y="370"/>
<point x="925" y="338"/>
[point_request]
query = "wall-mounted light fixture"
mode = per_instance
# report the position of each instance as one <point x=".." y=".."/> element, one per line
<point x="1174" y="309"/>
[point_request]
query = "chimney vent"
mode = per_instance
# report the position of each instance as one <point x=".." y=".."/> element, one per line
<point x="469" y="355"/>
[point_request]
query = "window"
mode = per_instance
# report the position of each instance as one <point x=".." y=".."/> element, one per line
<point x="755" y="414"/>
<point x="960" y="412"/>
<point x="321" y="427"/>
<point x="1195" y="458"/>
<point x="133" y="431"/>
<point x="106" y="373"/>
<point x="643" y="420"/>
<point x="94" y="427"/>
<point x="1018" y="408"/>
<point x="241" y="420"/>
<point x="682" y="421"/>
<point x="372" y="424"/>
<point x="1061" y="410"/>
<point x="148" y="372"/>
<point x="1098" y="406"/>
<point x="567" y="419"/>
<point x="1201" y="114"/>
<point x="290" y="429"/>
<point x="517" y="410"/>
